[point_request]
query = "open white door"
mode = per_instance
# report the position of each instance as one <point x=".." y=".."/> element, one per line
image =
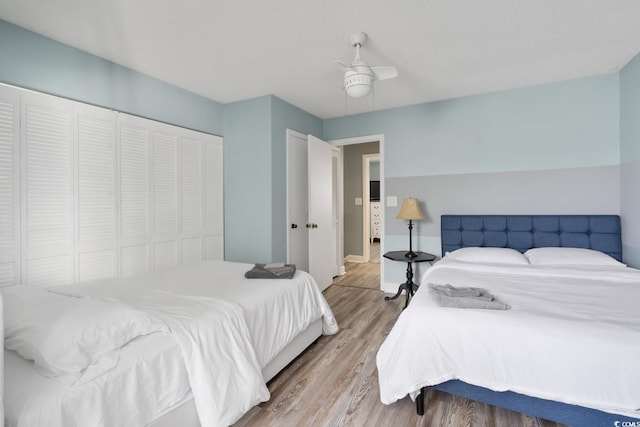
<point x="321" y="245"/>
<point x="297" y="200"/>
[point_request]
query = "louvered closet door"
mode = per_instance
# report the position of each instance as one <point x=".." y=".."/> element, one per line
<point x="47" y="189"/>
<point x="169" y="215"/>
<point x="191" y="197"/>
<point x="133" y="138"/>
<point x="88" y="193"/>
<point x="213" y="244"/>
<point x="164" y="196"/>
<point x="9" y="186"/>
<point x="95" y="191"/>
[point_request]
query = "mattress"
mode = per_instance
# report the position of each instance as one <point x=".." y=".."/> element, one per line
<point x="572" y="334"/>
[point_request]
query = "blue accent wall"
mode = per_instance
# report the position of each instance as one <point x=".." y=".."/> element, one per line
<point x="255" y="176"/>
<point x="32" y="61"/>
<point x="630" y="161"/>
<point x="247" y="180"/>
<point x="559" y="125"/>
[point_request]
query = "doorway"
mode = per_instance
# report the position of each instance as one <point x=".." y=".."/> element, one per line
<point x="361" y="244"/>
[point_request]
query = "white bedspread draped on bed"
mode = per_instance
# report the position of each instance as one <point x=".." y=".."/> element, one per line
<point x="223" y="370"/>
<point x="291" y="303"/>
<point x="571" y="335"/>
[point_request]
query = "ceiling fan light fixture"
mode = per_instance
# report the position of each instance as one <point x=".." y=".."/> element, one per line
<point x="358" y="91"/>
<point x="358" y="85"/>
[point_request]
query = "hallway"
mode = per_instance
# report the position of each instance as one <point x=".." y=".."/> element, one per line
<point x="362" y="274"/>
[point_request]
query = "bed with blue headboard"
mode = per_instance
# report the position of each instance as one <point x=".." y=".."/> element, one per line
<point x="521" y="232"/>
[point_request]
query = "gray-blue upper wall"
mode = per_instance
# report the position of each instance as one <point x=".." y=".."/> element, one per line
<point x="32" y="61"/>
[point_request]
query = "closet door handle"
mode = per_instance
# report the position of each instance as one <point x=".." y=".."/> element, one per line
<point x="294" y="225"/>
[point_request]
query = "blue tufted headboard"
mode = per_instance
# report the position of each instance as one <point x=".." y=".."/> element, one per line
<point x="523" y="232"/>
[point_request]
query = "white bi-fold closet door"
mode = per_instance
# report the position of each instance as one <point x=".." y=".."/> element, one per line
<point x="91" y="193"/>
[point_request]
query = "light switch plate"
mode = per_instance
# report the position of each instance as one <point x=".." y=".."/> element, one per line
<point x="392" y="201"/>
<point x="358" y="201"/>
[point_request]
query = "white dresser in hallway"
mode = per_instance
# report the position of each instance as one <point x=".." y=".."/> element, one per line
<point x="374" y="215"/>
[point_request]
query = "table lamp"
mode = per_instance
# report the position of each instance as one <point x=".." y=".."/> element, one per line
<point x="411" y="211"/>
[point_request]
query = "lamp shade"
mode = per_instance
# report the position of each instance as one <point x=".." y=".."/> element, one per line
<point x="410" y="210"/>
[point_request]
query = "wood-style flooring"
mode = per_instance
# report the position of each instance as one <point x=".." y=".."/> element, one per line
<point x="334" y="382"/>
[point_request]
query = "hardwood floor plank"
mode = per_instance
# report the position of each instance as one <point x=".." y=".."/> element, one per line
<point x="335" y="383"/>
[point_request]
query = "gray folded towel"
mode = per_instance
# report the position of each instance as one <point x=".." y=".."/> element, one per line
<point x="484" y="300"/>
<point x="451" y="291"/>
<point x="260" y="272"/>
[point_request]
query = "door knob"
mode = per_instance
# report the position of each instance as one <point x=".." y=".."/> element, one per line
<point x="308" y="225"/>
<point x="314" y="225"/>
<point x="294" y="225"/>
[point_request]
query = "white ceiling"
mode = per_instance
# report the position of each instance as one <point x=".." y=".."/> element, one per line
<point x="230" y="50"/>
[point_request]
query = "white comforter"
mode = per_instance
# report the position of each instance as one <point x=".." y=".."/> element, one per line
<point x="571" y="335"/>
<point x="225" y="378"/>
<point x="293" y="304"/>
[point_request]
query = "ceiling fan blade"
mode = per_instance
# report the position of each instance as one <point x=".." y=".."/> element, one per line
<point x="383" y="73"/>
<point x="343" y="64"/>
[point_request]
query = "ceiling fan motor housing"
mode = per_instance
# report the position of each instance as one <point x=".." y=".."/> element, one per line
<point x="358" y="81"/>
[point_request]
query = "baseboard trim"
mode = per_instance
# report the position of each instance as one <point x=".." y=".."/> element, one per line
<point x="354" y="258"/>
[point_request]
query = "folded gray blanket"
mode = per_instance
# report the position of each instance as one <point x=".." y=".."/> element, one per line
<point x="281" y="272"/>
<point x="450" y="296"/>
<point x="451" y="291"/>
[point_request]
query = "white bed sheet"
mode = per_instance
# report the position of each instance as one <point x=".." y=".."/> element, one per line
<point x="571" y="335"/>
<point x="291" y="303"/>
<point x="146" y="365"/>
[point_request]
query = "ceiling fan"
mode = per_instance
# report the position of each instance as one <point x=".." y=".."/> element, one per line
<point x="359" y="76"/>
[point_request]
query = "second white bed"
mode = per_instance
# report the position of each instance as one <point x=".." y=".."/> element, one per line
<point x="572" y="335"/>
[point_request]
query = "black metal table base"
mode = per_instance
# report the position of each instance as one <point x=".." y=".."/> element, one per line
<point x="410" y="289"/>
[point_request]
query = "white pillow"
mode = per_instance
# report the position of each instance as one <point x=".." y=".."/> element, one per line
<point x="570" y="256"/>
<point x="66" y="335"/>
<point x="488" y="255"/>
